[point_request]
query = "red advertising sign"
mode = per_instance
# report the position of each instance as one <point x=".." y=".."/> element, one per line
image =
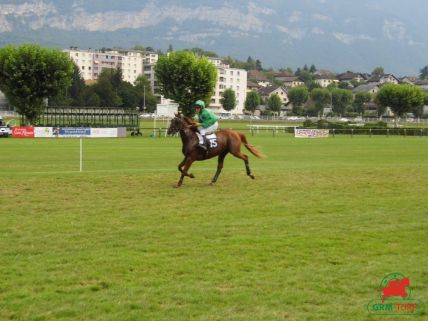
<point x="23" y="132"/>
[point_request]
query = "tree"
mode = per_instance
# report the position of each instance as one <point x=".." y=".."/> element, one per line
<point x="378" y="71"/>
<point x="145" y="96"/>
<point x="321" y="98"/>
<point x="401" y="99"/>
<point x="343" y="85"/>
<point x="89" y="98"/>
<point x="186" y="78"/>
<point x="380" y="110"/>
<point x="259" y="65"/>
<point x="274" y="103"/>
<point x="250" y="64"/>
<point x="424" y="73"/>
<point x="107" y="88"/>
<point x="77" y="87"/>
<point x="298" y="97"/>
<point x="129" y="96"/>
<point x="360" y="101"/>
<point x="202" y="52"/>
<point x="70" y="96"/>
<point x="341" y="99"/>
<point x="30" y="74"/>
<point x="228" y="101"/>
<point x="252" y="101"/>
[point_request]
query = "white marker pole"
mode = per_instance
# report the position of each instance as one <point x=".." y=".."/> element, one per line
<point x="81" y="154"/>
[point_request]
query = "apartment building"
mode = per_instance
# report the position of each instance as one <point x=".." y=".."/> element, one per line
<point x="233" y="78"/>
<point x="135" y="63"/>
<point x="132" y="63"/>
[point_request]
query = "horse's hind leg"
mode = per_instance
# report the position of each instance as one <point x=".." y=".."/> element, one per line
<point x="219" y="167"/>
<point x="247" y="163"/>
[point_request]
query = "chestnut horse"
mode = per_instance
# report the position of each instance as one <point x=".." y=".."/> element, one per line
<point x="228" y="141"/>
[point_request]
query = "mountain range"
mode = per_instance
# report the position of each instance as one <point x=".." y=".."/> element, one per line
<point x="337" y="35"/>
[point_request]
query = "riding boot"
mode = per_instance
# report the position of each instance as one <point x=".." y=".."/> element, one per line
<point x="203" y="145"/>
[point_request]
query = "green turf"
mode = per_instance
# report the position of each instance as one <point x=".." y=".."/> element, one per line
<point x="310" y="239"/>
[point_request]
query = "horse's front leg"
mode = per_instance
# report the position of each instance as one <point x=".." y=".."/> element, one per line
<point x="187" y="163"/>
<point x="180" y="169"/>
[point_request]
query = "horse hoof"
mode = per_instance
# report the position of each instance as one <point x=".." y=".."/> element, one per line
<point x="191" y="176"/>
<point x="177" y="186"/>
<point x="252" y="176"/>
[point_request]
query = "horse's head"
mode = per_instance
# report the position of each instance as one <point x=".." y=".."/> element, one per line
<point x="177" y="124"/>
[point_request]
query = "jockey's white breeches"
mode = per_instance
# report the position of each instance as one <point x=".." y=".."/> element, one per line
<point x="208" y="130"/>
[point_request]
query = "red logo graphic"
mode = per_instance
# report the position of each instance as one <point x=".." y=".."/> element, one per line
<point x="23" y="132"/>
<point x="395" y="297"/>
<point x="395" y="288"/>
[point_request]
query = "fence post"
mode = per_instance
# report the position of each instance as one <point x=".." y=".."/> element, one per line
<point x="352" y="133"/>
<point x="370" y="131"/>
<point x="405" y="132"/>
<point x="387" y="132"/>
<point x="334" y="133"/>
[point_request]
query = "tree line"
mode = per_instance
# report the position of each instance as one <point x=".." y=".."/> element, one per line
<point x="31" y="75"/>
<point x="401" y="99"/>
<point x="110" y="90"/>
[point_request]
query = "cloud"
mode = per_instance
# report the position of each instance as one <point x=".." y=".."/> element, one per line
<point x="394" y="30"/>
<point x="202" y="38"/>
<point x="317" y="31"/>
<point x="5" y="26"/>
<point x="45" y="14"/>
<point x="349" y="39"/>
<point x="296" y="16"/>
<point x="345" y="38"/>
<point x="320" y="17"/>
<point x="293" y="33"/>
<point x="26" y="9"/>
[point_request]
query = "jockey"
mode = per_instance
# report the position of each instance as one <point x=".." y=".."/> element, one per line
<point x="207" y="122"/>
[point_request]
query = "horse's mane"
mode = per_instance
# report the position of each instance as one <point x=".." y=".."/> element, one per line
<point x="189" y="122"/>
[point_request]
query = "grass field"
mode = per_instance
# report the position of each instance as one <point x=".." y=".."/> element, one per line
<point x="310" y="239"/>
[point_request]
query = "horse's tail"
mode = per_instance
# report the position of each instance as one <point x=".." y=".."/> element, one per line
<point x="250" y="147"/>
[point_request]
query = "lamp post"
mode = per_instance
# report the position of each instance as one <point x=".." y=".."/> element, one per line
<point x="144" y="97"/>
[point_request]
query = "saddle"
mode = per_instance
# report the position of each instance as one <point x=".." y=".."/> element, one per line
<point x="210" y="140"/>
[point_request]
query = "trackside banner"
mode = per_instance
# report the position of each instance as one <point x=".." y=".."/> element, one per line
<point x="43" y="132"/>
<point x="23" y="132"/>
<point x="310" y="133"/>
<point x="104" y="132"/>
<point x="67" y="132"/>
<point x="74" y="132"/>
